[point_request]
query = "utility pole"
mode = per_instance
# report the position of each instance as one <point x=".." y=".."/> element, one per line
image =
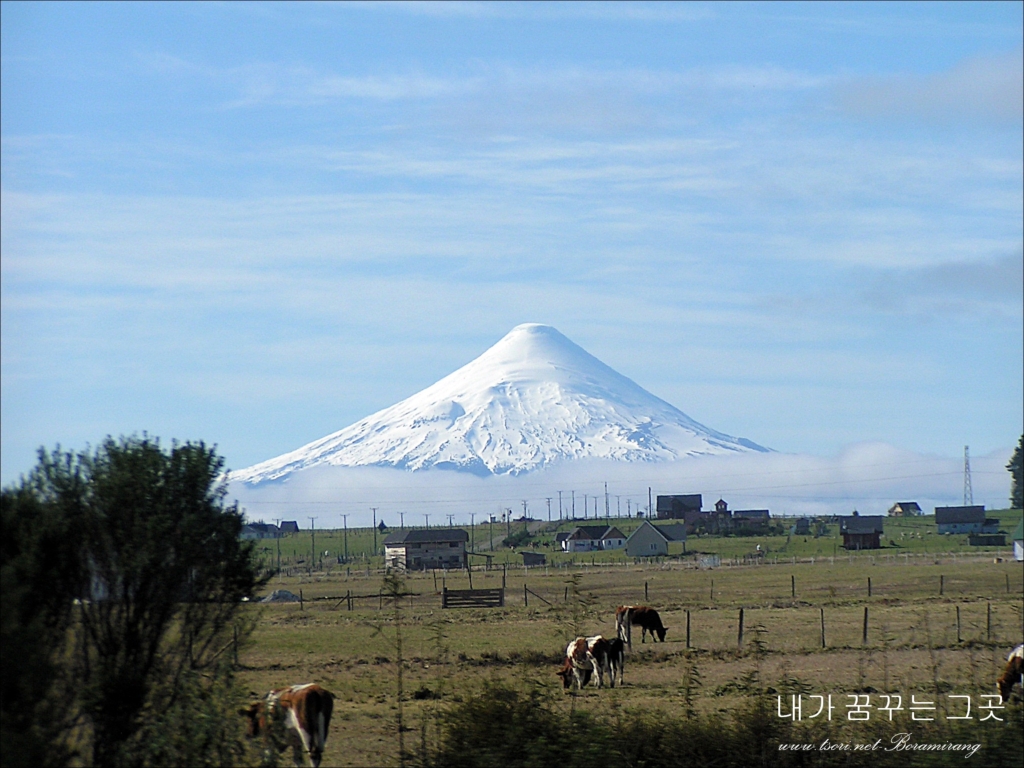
<point x="524" y="507"/>
<point x="549" y="508"/>
<point x="374" y="530"/>
<point x="426" y="516"/>
<point x="490" y="525"/>
<point x="607" y="510"/>
<point x="508" y="523"/>
<point x="629" y="509"/>
<point x="402" y="516"/>
<point x="559" y="505"/>
<point x="574" y="505"/>
<point x="586" y="503"/>
<point x="650" y="504"/>
<point x="618" y="506"/>
<point x="277" y="521"/>
<point x="345" y="518"/>
<point x="472" y="531"/>
<point x="450" y="516"/>
<point x="312" y="531"/>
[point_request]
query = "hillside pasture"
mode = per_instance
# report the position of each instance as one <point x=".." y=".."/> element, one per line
<point x="912" y="644"/>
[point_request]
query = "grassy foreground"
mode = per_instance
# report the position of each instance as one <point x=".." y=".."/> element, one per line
<point x="914" y="645"/>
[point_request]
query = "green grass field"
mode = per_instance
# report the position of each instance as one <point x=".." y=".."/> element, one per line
<point x="916" y="535"/>
<point x="914" y="642"/>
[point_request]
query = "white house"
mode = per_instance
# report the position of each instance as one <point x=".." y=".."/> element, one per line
<point x="592" y="538"/>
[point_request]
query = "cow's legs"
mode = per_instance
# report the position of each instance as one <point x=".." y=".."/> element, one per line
<point x="598" y="670"/>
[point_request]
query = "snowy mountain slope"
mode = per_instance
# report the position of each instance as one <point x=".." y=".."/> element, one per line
<point x="532" y="399"/>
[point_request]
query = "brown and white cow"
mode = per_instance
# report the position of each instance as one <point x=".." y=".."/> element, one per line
<point x="296" y="717"/>
<point x="1013" y="673"/>
<point x="642" y="616"/>
<point x="583" y="656"/>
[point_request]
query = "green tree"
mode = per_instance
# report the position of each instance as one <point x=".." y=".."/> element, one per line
<point x="40" y="571"/>
<point x="1016" y="467"/>
<point x="153" y="588"/>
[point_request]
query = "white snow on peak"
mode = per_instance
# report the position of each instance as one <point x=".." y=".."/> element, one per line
<point x="533" y="399"/>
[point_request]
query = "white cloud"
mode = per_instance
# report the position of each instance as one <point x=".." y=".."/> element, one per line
<point x="868" y="477"/>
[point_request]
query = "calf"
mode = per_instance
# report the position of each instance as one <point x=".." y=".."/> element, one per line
<point x="641" y="615"/>
<point x="1013" y="674"/>
<point x="297" y="717"/>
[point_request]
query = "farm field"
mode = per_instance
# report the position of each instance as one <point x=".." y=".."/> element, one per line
<point x="914" y="643"/>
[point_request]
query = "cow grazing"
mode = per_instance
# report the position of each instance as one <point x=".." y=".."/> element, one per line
<point x="1013" y="673"/>
<point x="583" y="656"/>
<point x="642" y="616"/>
<point x="568" y="676"/>
<point x="296" y="717"/>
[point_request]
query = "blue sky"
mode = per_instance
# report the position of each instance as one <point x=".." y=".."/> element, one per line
<point x="254" y="224"/>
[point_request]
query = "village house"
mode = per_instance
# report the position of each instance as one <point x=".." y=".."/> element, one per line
<point x="259" y="530"/>
<point x="421" y="549"/>
<point x="676" y="507"/>
<point x="967" y="519"/>
<point x="591" y="538"/>
<point x="905" y="509"/>
<point x="750" y="521"/>
<point x="289" y="526"/>
<point x="652" y="540"/>
<point x="861" y="531"/>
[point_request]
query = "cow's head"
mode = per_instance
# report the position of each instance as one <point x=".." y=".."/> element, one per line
<point x="661" y="633"/>
<point x="1014" y="671"/>
<point x="567" y="674"/>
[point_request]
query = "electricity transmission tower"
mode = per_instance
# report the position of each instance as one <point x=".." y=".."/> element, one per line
<point x="968" y="491"/>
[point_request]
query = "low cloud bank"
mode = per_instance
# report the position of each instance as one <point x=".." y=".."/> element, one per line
<point x="868" y="477"/>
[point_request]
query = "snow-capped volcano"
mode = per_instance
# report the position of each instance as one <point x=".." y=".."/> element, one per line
<point x="532" y="399"/>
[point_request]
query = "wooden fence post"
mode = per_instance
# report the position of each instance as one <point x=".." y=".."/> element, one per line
<point x="712" y="590"/>
<point x="302" y="605"/>
<point x="959" y="638"/>
<point x="739" y="639"/>
<point x="349" y="596"/>
<point x="526" y="599"/>
<point x="565" y="598"/>
<point x="687" y="629"/>
<point x="942" y="584"/>
<point x="792" y="586"/>
<point x="864" y="639"/>
<point x="822" y="627"/>
<point x="869" y="586"/>
<point x="645" y="592"/>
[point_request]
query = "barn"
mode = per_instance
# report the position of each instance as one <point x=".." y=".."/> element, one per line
<point x="861" y="531"/>
<point x="423" y="548"/>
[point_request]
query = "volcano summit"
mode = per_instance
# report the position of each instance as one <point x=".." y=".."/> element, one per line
<point x="533" y="399"/>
